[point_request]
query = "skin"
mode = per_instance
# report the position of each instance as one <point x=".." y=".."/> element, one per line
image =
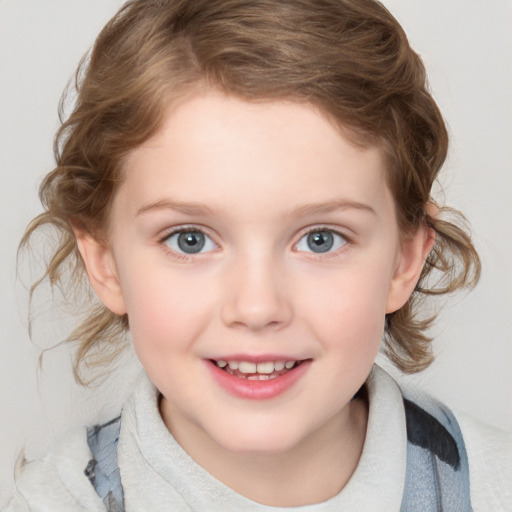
<point x="256" y="178"/>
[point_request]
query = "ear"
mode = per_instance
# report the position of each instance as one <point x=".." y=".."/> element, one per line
<point x="101" y="271"/>
<point x="412" y="256"/>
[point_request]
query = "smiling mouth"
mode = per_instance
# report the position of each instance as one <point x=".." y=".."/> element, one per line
<point x="248" y="370"/>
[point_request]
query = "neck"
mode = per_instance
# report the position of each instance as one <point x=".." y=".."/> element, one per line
<point x="313" y="471"/>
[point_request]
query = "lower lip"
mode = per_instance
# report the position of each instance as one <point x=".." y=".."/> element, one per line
<point x="258" y="389"/>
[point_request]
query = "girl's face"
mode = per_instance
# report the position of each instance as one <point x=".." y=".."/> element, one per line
<point x="255" y="235"/>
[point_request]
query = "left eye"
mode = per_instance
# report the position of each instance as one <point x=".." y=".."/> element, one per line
<point x="190" y="242"/>
<point x="321" y="241"/>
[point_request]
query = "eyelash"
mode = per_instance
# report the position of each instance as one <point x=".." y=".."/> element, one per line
<point x="318" y="229"/>
<point x="191" y="229"/>
<point x="179" y="230"/>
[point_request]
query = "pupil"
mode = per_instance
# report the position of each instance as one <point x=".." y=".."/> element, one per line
<point x="320" y="241"/>
<point x="191" y="242"/>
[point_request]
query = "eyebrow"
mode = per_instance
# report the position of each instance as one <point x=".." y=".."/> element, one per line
<point x="198" y="209"/>
<point x="186" y="208"/>
<point x="331" y="206"/>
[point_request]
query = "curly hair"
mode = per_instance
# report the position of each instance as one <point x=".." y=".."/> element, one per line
<point x="349" y="58"/>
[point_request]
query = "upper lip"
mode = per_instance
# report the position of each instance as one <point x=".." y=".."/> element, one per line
<point x="259" y="358"/>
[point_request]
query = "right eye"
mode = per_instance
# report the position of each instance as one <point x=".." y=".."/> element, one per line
<point x="190" y="242"/>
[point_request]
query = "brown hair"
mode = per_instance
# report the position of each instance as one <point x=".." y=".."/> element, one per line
<point x="350" y="58"/>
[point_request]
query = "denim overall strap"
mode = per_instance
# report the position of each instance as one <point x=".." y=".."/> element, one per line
<point x="103" y="470"/>
<point x="437" y="473"/>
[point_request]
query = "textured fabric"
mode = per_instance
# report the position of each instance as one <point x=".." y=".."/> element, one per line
<point x="437" y="473"/>
<point x="490" y="465"/>
<point x="157" y="474"/>
<point x="57" y="483"/>
<point x="103" y="470"/>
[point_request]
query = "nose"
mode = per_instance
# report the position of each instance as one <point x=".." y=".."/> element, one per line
<point x="256" y="296"/>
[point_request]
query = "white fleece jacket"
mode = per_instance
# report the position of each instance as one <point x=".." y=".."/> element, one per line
<point x="158" y="475"/>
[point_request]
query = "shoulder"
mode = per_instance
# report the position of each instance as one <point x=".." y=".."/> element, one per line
<point x="486" y="449"/>
<point x="490" y="464"/>
<point x="57" y="482"/>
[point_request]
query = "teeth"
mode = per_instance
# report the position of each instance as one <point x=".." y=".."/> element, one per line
<point x="267" y="368"/>
<point x="245" y="367"/>
<point x="264" y="369"/>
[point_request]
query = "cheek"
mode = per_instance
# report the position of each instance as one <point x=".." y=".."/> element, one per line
<point x="166" y="313"/>
<point x="350" y="308"/>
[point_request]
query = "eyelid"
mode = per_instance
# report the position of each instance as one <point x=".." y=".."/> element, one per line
<point x="323" y="227"/>
<point x="185" y="228"/>
<point x="207" y="232"/>
<point x="320" y="228"/>
<point x="189" y="228"/>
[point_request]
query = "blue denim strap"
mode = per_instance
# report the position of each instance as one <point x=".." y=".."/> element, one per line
<point x="103" y="470"/>
<point x="437" y="472"/>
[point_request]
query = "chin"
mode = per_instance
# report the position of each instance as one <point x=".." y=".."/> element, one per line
<point x="260" y="441"/>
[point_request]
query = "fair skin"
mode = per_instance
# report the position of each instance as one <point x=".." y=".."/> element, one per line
<point x="257" y="232"/>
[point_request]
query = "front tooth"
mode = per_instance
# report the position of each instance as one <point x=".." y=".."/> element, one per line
<point x="289" y="364"/>
<point x="246" y="367"/>
<point x="267" y="368"/>
<point x="279" y="365"/>
<point x="233" y="365"/>
<point x="221" y="363"/>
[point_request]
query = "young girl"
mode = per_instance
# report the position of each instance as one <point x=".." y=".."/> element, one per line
<point x="247" y="186"/>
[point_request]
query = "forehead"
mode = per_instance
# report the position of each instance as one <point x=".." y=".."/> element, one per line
<point x="216" y="147"/>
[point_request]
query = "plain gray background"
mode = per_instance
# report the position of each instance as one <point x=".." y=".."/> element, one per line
<point x="467" y="48"/>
